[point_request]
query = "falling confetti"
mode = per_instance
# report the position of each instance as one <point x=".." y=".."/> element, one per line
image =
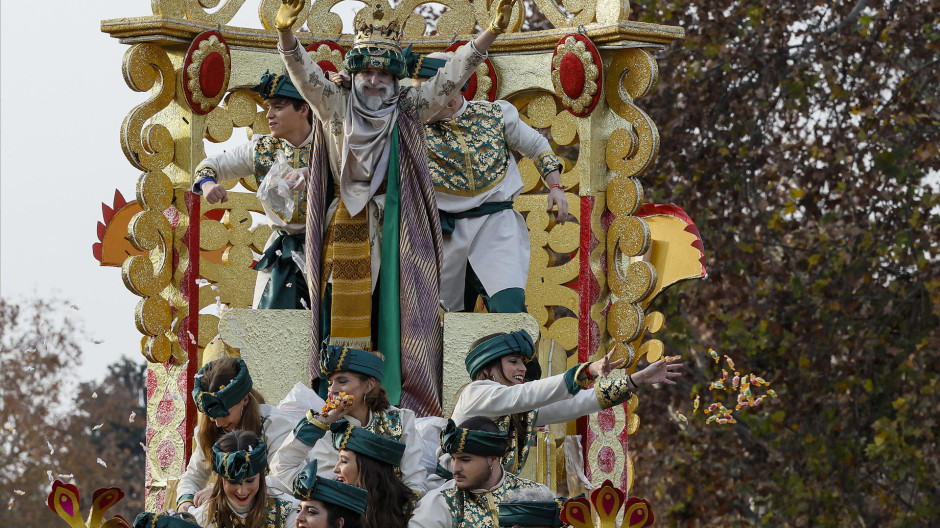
<point x="97" y="341"/>
<point x="75" y="307"/>
<point x="94" y="395"/>
<point x="19" y="492"/>
<point x="213" y="287"/>
<point x="64" y="476"/>
<point x="142" y="446"/>
<point x="131" y="417"/>
<point x="49" y="474"/>
<point x="99" y="426"/>
<point x="288" y="285"/>
<point x="10" y="504"/>
<point x="102" y="463"/>
<point x="51" y="450"/>
<point x="304" y="304"/>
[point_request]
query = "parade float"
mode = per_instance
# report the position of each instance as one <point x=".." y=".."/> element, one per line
<point x="592" y="281"/>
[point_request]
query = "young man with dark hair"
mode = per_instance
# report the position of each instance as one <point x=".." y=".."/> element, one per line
<point x="280" y="282"/>
<point x="479" y="485"/>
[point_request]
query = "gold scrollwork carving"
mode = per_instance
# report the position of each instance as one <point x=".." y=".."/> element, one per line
<point x="151" y="147"/>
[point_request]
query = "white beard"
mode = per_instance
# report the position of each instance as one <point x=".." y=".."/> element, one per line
<point x="373" y="102"/>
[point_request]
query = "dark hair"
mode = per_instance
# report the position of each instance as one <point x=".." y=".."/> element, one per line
<point x="219" y="511"/>
<point x="391" y="502"/>
<point x="377" y="399"/>
<point x="221" y="372"/>
<point x="335" y="512"/>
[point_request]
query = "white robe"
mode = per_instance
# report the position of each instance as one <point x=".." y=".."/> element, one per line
<point x="496" y="245"/>
<point x="294" y="455"/>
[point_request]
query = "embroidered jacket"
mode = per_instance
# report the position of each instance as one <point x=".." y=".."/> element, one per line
<point x="449" y="507"/>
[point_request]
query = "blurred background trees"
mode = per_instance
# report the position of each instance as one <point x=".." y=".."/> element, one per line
<point x="57" y="428"/>
<point x="802" y="137"/>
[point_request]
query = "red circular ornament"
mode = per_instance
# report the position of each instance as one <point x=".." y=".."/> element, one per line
<point x="206" y="71"/>
<point x="328" y="55"/>
<point x="577" y="74"/>
<point x="572" y="76"/>
<point x="483" y="83"/>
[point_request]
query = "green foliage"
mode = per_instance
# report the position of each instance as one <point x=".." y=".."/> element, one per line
<point x="803" y="139"/>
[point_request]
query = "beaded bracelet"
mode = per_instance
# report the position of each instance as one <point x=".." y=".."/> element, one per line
<point x="556" y="186"/>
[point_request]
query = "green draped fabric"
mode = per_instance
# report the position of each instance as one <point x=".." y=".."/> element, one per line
<point x="389" y="338"/>
<point x="279" y="258"/>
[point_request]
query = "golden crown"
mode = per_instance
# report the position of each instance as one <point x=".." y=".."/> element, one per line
<point x="377" y="33"/>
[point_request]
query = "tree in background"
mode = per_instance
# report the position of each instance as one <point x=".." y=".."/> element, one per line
<point x="802" y="137"/>
<point x="49" y="434"/>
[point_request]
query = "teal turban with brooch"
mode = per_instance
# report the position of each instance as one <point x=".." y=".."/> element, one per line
<point x="308" y="486"/>
<point x="457" y="440"/>
<point x="365" y="442"/>
<point x="530" y="513"/>
<point x="422" y="66"/>
<point x="161" y="520"/>
<point x="277" y="85"/>
<point x="518" y="342"/>
<point x="239" y="465"/>
<point x="216" y="404"/>
<point x="337" y="358"/>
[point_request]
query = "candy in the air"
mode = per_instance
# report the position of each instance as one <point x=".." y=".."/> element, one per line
<point x="730" y="363"/>
<point x="713" y="354"/>
<point x="735" y="381"/>
<point x="695" y="404"/>
<point x="681" y="417"/>
<point x="711" y="408"/>
<point x="771" y="393"/>
<point x="716" y="385"/>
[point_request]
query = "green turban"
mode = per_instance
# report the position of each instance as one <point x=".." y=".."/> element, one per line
<point x="380" y="57"/>
<point x="518" y="342"/>
<point x="239" y="465"/>
<point x="337" y="358"/>
<point x="275" y="85"/>
<point x="308" y="486"/>
<point x="530" y="513"/>
<point x="216" y="404"/>
<point x="161" y="520"/>
<point x="365" y="442"/>
<point x="457" y="440"/>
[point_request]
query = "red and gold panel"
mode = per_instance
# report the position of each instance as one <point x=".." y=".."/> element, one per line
<point x="328" y="55"/>
<point x="577" y="74"/>
<point x="482" y="86"/>
<point x="206" y="71"/>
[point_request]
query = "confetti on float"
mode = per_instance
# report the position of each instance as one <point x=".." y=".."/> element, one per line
<point x="304" y="304"/>
<point x="201" y="282"/>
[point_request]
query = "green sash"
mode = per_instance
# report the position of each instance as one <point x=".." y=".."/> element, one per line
<point x="389" y="338"/>
<point x="449" y="220"/>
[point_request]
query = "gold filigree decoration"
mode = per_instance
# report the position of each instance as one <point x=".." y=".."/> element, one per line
<point x="629" y="152"/>
<point x="148" y="147"/>
<point x="326" y="53"/>
<point x="591" y="71"/>
<point x="206" y="48"/>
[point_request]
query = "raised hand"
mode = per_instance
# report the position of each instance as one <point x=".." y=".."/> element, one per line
<point x="503" y="14"/>
<point x="659" y="372"/>
<point x="287" y="14"/>
<point x="604" y="366"/>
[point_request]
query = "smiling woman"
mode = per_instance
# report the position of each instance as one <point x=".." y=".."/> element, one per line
<point x="239" y="494"/>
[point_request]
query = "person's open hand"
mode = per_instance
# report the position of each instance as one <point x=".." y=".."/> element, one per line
<point x="287" y="14"/>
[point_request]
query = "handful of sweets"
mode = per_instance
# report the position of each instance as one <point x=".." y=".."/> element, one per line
<point x="335" y="400"/>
